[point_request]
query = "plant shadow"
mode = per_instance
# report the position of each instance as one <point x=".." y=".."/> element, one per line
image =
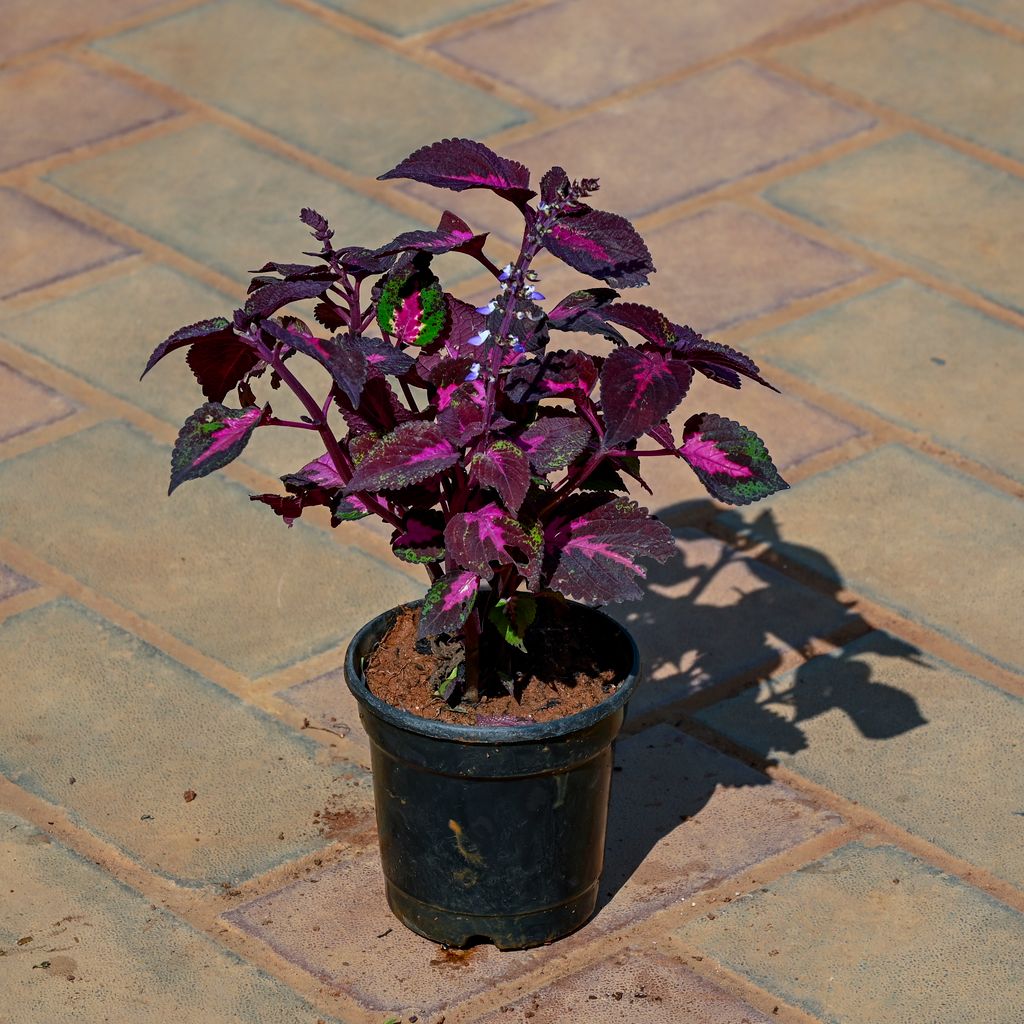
<point x="714" y="623"/>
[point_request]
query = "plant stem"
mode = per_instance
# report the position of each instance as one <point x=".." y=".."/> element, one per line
<point x="471" y="645"/>
<point x="273" y="421"/>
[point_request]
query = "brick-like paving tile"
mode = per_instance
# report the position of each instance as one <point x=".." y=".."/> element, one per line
<point x="57" y="105"/>
<point x="98" y="951"/>
<point x="38" y="245"/>
<point x="208" y="566"/>
<point x="334" y="927"/>
<point x="355" y="103"/>
<point x="918" y="358"/>
<point x="144" y="730"/>
<point x="731" y="121"/>
<point x="13" y="583"/>
<point x="1009" y="12"/>
<point x="883" y="728"/>
<point x="712" y="614"/>
<point x="927" y="64"/>
<point x="578" y="51"/>
<point x="919" y="201"/>
<point x="401" y="18"/>
<point x="874" y="934"/>
<point x="329" y="704"/>
<point x="29" y="25"/>
<point x="26" y="404"/>
<point x="636" y="985"/>
<point x="914" y="534"/>
<point x="221" y="199"/>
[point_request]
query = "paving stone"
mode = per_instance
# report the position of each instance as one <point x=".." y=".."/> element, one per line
<point x="328" y="702"/>
<point x="110" y="955"/>
<point x="924" y="203"/>
<point x="713" y="614"/>
<point x="106" y="332"/>
<point x="881" y="725"/>
<point x="632" y="986"/>
<point x="401" y="18"/>
<point x="205" y="565"/>
<point x="39" y="245"/>
<point x="54" y="106"/>
<point x="872" y="934"/>
<point x="913" y="534"/>
<point x="900" y="351"/>
<point x="726" y="123"/>
<point x="26" y="404"/>
<point x="221" y="199"/>
<point x="333" y="929"/>
<point x="12" y="583"/>
<point x="927" y="64"/>
<point x="146" y="730"/>
<point x="530" y="52"/>
<point x="29" y="25"/>
<point x="381" y="105"/>
<point x="1008" y="11"/>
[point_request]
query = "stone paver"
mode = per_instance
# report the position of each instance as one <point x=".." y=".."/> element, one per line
<point x="712" y="614"/>
<point x="146" y="730"/>
<point x="54" y="106"/>
<point x="900" y="351"/>
<point x="328" y="703"/>
<point x="359" y="105"/>
<point x="635" y="985"/>
<point x="221" y="199"/>
<point x="198" y="544"/>
<point x="936" y="208"/>
<point x="96" y="948"/>
<point x="883" y="727"/>
<point x="652" y="861"/>
<point x="39" y="245"/>
<point x="1007" y="11"/>
<point x="904" y="529"/>
<point x="895" y="940"/>
<point x="12" y="583"/>
<point x="401" y="18"/>
<point x="930" y="65"/>
<point x="26" y="404"/>
<point x="530" y="50"/>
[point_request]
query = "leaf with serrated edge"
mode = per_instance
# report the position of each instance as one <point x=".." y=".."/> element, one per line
<point x="343" y="360"/>
<point x="421" y="538"/>
<point x="413" y="452"/>
<point x="503" y="466"/>
<point x="209" y="439"/>
<point x="448" y="603"/>
<point x="593" y="545"/>
<point x="601" y="245"/>
<point x="638" y="390"/>
<point x="475" y="539"/>
<point x="552" y="442"/>
<point x="513" y="617"/>
<point x="729" y="460"/>
<point x="717" y="362"/>
<point x="206" y="330"/>
<point x="412" y="307"/>
<point x="219" y="363"/>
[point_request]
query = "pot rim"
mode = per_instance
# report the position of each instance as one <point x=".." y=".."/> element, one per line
<point x="529" y="732"/>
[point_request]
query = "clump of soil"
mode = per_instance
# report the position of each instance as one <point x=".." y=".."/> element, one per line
<point x="568" y="667"/>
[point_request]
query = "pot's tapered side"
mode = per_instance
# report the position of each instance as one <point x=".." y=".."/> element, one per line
<point x="491" y="833"/>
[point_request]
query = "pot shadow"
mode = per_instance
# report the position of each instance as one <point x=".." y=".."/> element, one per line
<point x="712" y="625"/>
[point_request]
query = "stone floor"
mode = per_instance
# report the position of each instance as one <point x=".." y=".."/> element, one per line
<point x="820" y="815"/>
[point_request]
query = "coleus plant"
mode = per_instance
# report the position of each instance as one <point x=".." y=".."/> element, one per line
<point x="496" y="453"/>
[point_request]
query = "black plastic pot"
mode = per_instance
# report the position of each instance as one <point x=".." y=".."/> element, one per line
<point x="492" y="834"/>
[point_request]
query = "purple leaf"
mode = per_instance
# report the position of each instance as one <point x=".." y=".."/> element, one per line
<point x="662" y="433"/>
<point x="269" y="298"/>
<point x="601" y="245"/>
<point x="217" y="329"/>
<point x="638" y="390"/>
<point x="461" y="418"/>
<point x="448" y="603"/>
<point x="552" y="442"/>
<point x="329" y="315"/>
<point x="476" y="539"/>
<point x="421" y="539"/>
<point x="557" y="375"/>
<point x="317" y="224"/>
<point x="382" y="357"/>
<point x="720" y="363"/>
<point x="459" y="164"/>
<point x="584" y="311"/>
<point x="453" y="234"/>
<point x="648" y="322"/>
<point x="209" y="439"/>
<point x="319" y="473"/>
<point x="379" y="410"/>
<point x="503" y="466"/>
<point x="415" y="451"/>
<point x="290" y="506"/>
<point x="346" y="364"/>
<point x="554" y="186"/>
<point x="730" y="460"/>
<point x="594" y="545"/>
<point x="220" y="363"/>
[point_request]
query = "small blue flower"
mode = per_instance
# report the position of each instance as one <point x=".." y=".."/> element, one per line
<point x="489" y="308"/>
<point x="506" y="273"/>
<point x="474" y="372"/>
<point x="519" y="348"/>
<point x="536" y="296"/>
<point x="479" y="339"/>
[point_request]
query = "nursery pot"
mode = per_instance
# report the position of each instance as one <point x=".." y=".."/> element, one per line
<point x="492" y="834"/>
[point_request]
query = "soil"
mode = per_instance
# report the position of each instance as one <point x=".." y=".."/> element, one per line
<point x="565" y="669"/>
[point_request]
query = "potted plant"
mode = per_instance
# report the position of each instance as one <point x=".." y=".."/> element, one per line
<point x="498" y="457"/>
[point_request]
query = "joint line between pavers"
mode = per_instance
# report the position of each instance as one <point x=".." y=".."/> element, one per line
<point x="973" y="17"/>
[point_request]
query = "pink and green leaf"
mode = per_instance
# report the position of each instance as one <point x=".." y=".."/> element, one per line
<point x="476" y="539"/>
<point x="503" y="467"/>
<point x="209" y="439"/>
<point x="413" y="452"/>
<point x="552" y="442"/>
<point x="412" y="308"/>
<point x="448" y="603"/>
<point x="731" y="461"/>
<point x="421" y="538"/>
<point x="638" y="390"/>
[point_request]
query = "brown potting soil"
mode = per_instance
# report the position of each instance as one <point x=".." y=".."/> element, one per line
<point x="568" y="667"/>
